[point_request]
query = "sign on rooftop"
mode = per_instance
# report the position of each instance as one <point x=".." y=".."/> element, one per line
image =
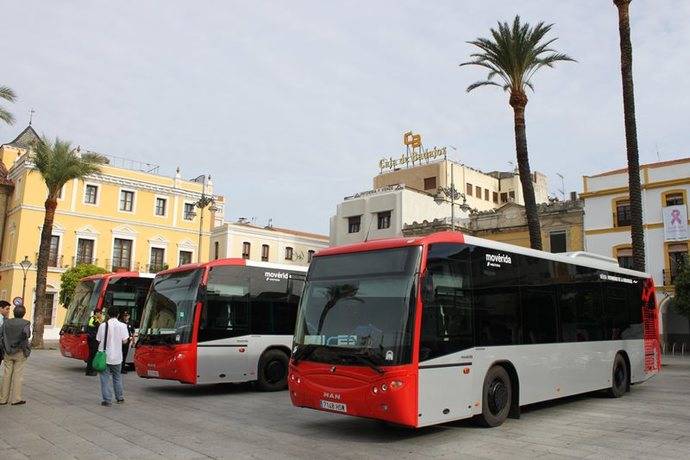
<point x="415" y="154"/>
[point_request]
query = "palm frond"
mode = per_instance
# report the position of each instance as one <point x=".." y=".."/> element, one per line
<point x="478" y="84"/>
<point x="7" y="94"/>
<point x="6" y="116"/>
<point x="514" y="52"/>
<point x="59" y="163"/>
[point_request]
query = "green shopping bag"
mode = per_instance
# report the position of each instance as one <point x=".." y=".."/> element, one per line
<point x="99" y="361"/>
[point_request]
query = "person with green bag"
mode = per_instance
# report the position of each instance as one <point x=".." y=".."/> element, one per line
<point x="111" y="335"/>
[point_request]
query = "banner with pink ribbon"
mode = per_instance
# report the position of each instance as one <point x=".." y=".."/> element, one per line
<point x="675" y="223"/>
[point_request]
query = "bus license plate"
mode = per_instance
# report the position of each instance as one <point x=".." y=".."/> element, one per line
<point x="330" y="405"/>
<point x="151" y="373"/>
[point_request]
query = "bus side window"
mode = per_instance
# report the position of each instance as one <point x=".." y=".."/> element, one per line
<point x="495" y="277"/>
<point x="447" y="319"/>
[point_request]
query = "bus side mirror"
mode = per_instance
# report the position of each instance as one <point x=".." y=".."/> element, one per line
<point x="108" y="300"/>
<point x="428" y="295"/>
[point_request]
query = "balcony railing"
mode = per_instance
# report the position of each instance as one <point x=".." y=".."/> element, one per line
<point x="114" y="265"/>
<point x="54" y="260"/>
<point x="156" y="267"/>
<point x="80" y="260"/>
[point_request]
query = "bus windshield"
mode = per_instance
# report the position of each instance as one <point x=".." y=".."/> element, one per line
<point x="84" y="301"/>
<point x="359" y="306"/>
<point x="169" y="312"/>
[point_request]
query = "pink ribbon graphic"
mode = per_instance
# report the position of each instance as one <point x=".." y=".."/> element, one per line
<point x="675" y="217"/>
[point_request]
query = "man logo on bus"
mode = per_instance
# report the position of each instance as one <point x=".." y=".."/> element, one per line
<point x="496" y="260"/>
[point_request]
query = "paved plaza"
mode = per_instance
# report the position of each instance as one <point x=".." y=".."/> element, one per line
<point x="63" y="419"/>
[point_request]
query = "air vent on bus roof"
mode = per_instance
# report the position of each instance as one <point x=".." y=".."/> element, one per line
<point x="593" y="257"/>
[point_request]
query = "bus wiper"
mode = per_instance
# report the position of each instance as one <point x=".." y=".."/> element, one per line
<point x="364" y="359"/>
<point x="303" y="352"/>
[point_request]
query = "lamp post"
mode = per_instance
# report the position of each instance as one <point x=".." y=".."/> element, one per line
<point x="203" y="202"/>
<point x="451" y="192"/>
<point x="26" y="265"/>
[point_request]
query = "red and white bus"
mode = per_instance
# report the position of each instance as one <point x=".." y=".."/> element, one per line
<point x="420" y="331"/>
<point x="228" y="320"/>
<point x="123" y="290"/>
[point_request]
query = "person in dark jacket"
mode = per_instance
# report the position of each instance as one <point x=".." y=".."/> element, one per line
<point x="124" y="318"/>
<point x="14" y="337"/>
<point x="91" y="330"/>
<point x="4" y="315"/>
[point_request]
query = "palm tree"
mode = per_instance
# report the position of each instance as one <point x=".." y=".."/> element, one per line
<point x="8" y="95"/>
<point x="636" y="229"/>
<point x="514" y="54"/>
<point x="58" y="163"/>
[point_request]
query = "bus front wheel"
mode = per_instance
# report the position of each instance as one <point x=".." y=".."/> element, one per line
<point x="273" y="370"/>
<point x="619" y="377"/>
<point x="496" y="397"/>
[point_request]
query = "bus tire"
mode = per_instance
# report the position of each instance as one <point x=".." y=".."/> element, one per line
<point x="496" y="397"/>
<point x="273" y="370"/>
<point x="619" y="377"/>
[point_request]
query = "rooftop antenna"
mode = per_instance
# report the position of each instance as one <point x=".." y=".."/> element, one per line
<point x="658" y="156"/>
<point x="562" y="190"/>
<point x="31" y="116"/>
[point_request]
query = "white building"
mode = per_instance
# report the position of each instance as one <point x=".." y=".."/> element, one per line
<point x="383" y="212"/>
<point x="405" y="195"/>
<point x="665" y="187"/>
<point x="267" y="244"/>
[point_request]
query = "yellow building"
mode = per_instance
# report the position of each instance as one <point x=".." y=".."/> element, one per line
<point x="127" y="217"/>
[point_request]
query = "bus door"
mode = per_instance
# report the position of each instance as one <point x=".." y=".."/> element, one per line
<point x="446" y="337"/>
<point x="223" y="329"/>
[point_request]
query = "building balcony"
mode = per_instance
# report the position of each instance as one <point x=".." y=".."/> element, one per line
<point x="156" y="267"/>
<point x="54" y="260"/>
<point x="119" y="265"/>
<point x="81" y="260"/>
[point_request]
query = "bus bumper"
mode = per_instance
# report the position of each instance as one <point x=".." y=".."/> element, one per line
<point x="168" y="362"/>
<point x="357" y="391"/>
<point x="74" y="346"/>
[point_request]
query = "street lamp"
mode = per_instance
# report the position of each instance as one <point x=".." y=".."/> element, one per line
<point x="26" y="265"/>
<point x="451" y="192"/>
<point x="204" y="202"/>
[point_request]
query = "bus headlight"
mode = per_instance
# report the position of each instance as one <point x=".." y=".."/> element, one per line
<point x="396" y="384"/>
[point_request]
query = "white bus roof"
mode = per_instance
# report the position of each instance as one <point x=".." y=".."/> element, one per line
<point x="273" y="266"/>
<point x="586" y="259"/>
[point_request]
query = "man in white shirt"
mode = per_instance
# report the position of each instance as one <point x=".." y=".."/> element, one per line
<point x="117" y="335"/>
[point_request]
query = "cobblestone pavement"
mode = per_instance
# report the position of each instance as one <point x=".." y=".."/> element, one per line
<point x="63" y="419"/>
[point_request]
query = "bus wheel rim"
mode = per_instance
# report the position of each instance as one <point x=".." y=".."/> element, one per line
<point x="275" y="371"/>
<point x="498" y="396"/>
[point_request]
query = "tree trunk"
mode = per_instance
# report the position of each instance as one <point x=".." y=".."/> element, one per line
<point x="636" y="228"/>
<point x="518" y="101"/>
<point x="42" y="273"/>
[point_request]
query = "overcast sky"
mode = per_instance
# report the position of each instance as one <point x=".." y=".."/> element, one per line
<point x="290" y="104"/>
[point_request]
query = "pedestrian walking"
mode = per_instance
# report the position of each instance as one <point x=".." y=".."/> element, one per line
<point x="125" y="319"/>
<point x="91" y="329"/>
<point x="14" y="340"/>
<point x="111" y="335"/>
<point x="4" y="314"/>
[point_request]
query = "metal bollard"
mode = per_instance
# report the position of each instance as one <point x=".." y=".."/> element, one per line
<point x="682" y="350"/>
<point x="673" y="349"/>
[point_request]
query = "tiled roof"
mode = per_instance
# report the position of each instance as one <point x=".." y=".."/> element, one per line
<point x="658" y="164"/>
<point x="25" y="139"/>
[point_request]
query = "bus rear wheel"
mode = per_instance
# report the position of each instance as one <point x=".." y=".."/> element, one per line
<point x="496" y="397"/>
<point x="273" y="370"/>
<point x="619" y="377"/>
